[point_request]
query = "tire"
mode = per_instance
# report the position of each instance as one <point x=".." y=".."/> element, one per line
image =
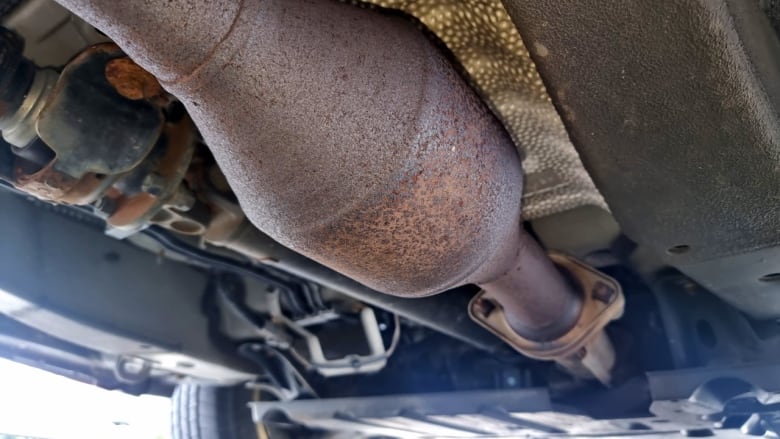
<point x="211" y="412"/>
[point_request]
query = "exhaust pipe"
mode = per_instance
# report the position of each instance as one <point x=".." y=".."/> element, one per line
<point x="348" y="137"/>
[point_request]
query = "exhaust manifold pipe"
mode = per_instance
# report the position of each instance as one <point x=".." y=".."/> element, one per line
<point x="348" y="137"/>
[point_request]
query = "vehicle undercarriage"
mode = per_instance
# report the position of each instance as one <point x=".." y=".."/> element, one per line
<point x="399" y="218"/>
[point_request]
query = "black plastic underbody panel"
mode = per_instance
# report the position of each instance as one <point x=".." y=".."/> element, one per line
<point x="673" y="108"/>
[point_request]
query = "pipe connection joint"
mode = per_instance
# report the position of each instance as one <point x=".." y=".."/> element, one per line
<point x="584" y="349"/>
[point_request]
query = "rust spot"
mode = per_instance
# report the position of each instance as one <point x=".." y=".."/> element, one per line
<point x="131" y="208"/>
<point x="46" y="184"/>
<point x="83" y="191"/>
<point x="52" y="185"/>
<point x="131" y="81"/>
<point x="171" y="168"/>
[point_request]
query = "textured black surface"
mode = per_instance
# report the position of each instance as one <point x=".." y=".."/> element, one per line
<point x="16" y="73"/>
<point x="672" y="107"/>
<point x="772" y="10"/>
<point x="90" y="125"/>
<point x="8" y="6"/>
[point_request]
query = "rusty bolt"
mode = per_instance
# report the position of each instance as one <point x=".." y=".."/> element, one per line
<point x="131" y="81"/>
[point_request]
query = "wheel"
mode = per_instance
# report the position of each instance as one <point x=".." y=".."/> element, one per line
<point x="211" y="412"/>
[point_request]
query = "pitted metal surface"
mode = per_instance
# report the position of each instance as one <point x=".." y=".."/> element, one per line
<point x="482" y="37"/>
<point x="479" y="33"/>
<point x="370" y="154"/>
<point x="394" y="173"/>
<point x="348" y="137"/>
<point x="195" y="38"/>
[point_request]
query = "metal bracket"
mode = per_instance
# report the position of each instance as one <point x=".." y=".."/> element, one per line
<point x="349" y="365"/>
<point x="585" y="350"/>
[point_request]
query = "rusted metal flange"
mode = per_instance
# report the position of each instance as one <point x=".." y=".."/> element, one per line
<point x="584" y="350"/>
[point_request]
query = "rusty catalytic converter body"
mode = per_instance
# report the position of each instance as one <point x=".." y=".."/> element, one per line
<point x="348" y="137"/>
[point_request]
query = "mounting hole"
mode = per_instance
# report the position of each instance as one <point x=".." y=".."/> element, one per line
<point x="186" y="227"/>
<point x="771" y="277"/>
<point x="678" y="249"/>
<point x="706" y="334"/>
